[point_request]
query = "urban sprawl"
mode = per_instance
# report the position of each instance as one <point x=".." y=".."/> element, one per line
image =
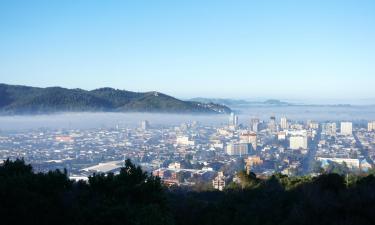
<point x="194" y="154"/>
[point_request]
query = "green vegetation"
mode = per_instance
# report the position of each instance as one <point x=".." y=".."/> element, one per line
<point x="25" y="100"/>
<point x="326" y="199"/>
<point x="133" y="197"/>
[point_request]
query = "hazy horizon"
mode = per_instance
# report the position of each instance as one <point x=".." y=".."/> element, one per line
<point x="296" y="100"/>
<point x="105" y="120"/>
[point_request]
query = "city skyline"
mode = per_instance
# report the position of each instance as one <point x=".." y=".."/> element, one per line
<point x="286" y="50"/>
<point x="187" y="112"/>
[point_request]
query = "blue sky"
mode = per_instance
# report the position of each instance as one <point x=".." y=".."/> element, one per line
<point x="237" y="49"/>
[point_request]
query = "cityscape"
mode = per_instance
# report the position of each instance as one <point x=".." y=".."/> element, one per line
<point x="193" y="112"/>
<point x="193" y="154"/>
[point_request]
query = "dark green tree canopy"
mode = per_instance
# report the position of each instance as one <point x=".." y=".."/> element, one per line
<point x="134" y="197"/>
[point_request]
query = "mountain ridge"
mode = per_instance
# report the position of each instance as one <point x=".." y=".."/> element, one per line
<point x="19" y="99"/>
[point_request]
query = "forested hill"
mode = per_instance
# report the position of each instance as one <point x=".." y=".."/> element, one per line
<point x="15" y="99"/>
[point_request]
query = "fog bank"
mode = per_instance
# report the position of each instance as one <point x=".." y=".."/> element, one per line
<point x="111" y="120"/>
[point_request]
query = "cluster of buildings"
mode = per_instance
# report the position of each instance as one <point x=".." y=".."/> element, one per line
<point x="194" y="153"/>
<point x="345" y="146"/>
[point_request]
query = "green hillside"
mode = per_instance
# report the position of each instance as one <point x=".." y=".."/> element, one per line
<point x="16" y="99"/>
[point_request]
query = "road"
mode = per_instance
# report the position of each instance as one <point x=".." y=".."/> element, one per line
<point x="364" y="153"/>
<point x="308" y="162"/>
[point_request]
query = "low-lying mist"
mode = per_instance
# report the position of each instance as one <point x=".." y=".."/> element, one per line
<point x="111" y="120"/>
<point x="102" y="120"/>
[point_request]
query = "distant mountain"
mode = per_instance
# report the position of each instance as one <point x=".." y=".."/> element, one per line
<point x="240" y="102"/>
<point x="15" y="99"/>
<point x="223" y="101"/>
<point x="275" y="102"/>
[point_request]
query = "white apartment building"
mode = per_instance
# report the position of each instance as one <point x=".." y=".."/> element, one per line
<point x="346" y="128"/>
<point x="298" y="142"/>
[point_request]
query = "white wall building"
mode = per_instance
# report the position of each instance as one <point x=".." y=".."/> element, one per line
<point x="298" y="142"/>
<point x="145" y="125"/>
<point x="219" y="182"/>
<point x="330" y="129"/>
<point x="284" y="123"/>
<point x="233" y="120"/>
<point x="351" y="163"/>
<point x="371" y="126"/>
<point x="175" y="166"/>
<point x="184" y="140"/>
<point x="346" y="128"/>
<point x="313" y="125"/>
<point x="281" y="136"/>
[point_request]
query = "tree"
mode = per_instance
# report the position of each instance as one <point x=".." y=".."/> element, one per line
<point x="337" y="168"/>
<point x="131" y="197"/>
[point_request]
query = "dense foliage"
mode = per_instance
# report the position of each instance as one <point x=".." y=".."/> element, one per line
<point x="133" y="197"/>
<point x="326" y="199"/>
<point x="22" y="99"/>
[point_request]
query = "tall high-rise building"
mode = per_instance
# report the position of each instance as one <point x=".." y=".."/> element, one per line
<point x="330" y="129"/>
<point x="233" y="120"/>
<point x="313" y="125"/>
<point x="346" y="128"/>
<point x="371" y="126"/>
<point x="145" y="125"/>
<point x="298" y="142"/>
<point x="254" y="125"/>
<point x="272" y="126"/>
<point x="249" y="138"/>
<point x="284" y="123"/>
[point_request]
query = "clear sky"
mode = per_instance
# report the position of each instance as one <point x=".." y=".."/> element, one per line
<point x="238" y="49"/>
